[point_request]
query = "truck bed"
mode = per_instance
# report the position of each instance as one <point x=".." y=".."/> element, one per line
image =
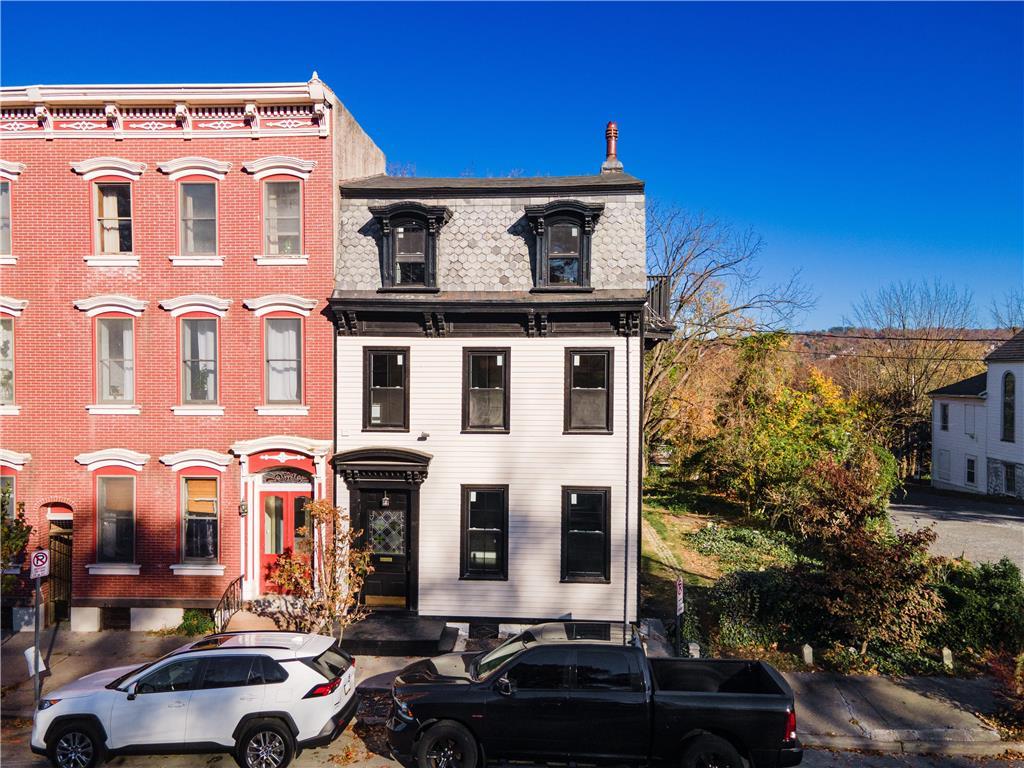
<point x="714" y="676"/>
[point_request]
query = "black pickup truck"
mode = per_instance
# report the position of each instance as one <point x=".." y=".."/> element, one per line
<point x="575" y="692"/>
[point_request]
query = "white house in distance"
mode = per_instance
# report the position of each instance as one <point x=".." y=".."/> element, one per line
<point x="490" y="335"/>
<point x="978" y="427"/>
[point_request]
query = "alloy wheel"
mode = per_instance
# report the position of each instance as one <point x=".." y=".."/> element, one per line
<point x="445" y="753"/>
<point x="74" y="750"/>
<point x="712" y="760"/>
<point x="265" y="750"/>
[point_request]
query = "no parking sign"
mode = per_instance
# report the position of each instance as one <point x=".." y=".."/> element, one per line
<point x="40" y="564"/>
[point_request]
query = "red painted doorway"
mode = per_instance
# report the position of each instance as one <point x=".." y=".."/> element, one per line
<point x="283" y="513"/>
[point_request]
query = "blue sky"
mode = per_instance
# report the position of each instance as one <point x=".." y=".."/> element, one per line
<point x="866" y="142"/>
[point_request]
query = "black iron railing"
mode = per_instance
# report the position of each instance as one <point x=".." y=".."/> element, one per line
<point x="230" y="603"/>
<point x="658" y="295"/>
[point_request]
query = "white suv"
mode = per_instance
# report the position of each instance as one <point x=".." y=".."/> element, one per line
<point x="261" y="695"/>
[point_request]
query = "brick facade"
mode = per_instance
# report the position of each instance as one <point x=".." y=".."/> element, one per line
<point x="52" y="230"/>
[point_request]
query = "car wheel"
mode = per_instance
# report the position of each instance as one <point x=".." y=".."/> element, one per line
<point x="446" y="745"/>
<point x="711" y="752"/>
<point x="265" y="744"/>
<point x="75" y="745"/>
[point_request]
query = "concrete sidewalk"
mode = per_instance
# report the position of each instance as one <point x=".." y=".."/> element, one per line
<point x="921" y="715"/>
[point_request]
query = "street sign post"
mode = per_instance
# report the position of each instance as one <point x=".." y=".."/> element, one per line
<point x="680" y="607"/>
<point x="39" y="568"/>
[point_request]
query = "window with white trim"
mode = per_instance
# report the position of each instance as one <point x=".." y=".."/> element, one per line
<point x="5" y="218"/>
<point x="199" y="360"/>
<point x="282" y="340"/>
<point x="969" y="419"/>
<point x="971" y="471"/>
<point x="282" y="218"/>
<point x="115" y="360"/>
<point x="113" y="218"/>
<point x="944" y="417"/>
<point x="6" y="360"/>
<point x="115" y="519"/>
<point x="200" y="519"/>
<point x="198" y="218"/>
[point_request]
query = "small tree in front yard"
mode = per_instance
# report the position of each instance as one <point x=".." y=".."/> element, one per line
<point x="324" y="574"/>
<point x="14" y="535"/>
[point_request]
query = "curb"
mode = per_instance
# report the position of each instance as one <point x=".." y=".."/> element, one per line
<point x="964" y="748"/>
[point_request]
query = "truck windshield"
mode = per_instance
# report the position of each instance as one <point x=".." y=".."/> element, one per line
<point x="489" y="662"/>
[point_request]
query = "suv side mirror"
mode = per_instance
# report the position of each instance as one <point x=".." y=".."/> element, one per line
<point x="131" y="690"/>
<point x="505" y="686"/>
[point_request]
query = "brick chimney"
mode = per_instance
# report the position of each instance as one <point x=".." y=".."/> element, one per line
<point x="611" y="162"/>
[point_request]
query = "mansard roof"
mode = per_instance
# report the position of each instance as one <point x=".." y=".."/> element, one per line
<point x="413" y="186"/>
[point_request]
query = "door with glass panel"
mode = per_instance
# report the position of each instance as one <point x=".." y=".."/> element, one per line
<point x="284" y="524"/>
<point x="385" y="524"/>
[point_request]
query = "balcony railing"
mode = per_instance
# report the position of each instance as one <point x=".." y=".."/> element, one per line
<point x="658" y="295"/>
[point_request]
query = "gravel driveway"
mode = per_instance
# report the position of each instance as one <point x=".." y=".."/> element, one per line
<point x="980" y="530"/>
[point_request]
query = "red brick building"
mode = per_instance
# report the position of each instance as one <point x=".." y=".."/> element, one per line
<point x="165" y="370"/>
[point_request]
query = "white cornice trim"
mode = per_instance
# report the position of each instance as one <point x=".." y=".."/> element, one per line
<point x="196" y="457"/>
<point x="161" y="94"/>
<point x="99" y="305"/>
<point x="95" y="167"/>
<point x="196" y="302"/>
<point x="195" y="166"/>
<point x="282" y="442"/>
<point x="13" y="459"/>
<point x="14" y="307"/>
<point x="280" y="302"/>
<point x="113" y="457"/>
<point x="10" y="170"/>
<point x="273" y="165"/>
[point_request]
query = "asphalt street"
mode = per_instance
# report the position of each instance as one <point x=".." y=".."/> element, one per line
<point x="974" y="528"/>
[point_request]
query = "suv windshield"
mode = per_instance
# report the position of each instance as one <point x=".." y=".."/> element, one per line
<point x="117" y="682"/>
<point x="489" y="662"/>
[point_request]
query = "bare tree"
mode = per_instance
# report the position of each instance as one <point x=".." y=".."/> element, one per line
<point x="924" y="343"/>
<point x="1009" y="313"/>
<point x="396" y="168"/>
<point x="715" y="294"/>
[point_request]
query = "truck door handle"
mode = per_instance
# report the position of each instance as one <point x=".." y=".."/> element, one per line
<point x="176" y="705"/>
<point x="247" y="698"/>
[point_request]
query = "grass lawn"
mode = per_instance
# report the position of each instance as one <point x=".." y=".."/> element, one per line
<point x="703" y="537"/>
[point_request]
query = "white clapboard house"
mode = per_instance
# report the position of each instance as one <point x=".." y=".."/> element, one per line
<point x="978" y="427"/>
<point x="490" y="335"/>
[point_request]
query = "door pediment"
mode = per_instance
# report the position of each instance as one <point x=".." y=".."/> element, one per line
<point x="382" y="464"/>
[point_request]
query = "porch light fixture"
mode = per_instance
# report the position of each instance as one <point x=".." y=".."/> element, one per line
<point x="385" y="501"/>
<point x="243" y="508"/>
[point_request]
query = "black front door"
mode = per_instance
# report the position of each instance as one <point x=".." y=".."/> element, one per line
<point x="385" y="521"/>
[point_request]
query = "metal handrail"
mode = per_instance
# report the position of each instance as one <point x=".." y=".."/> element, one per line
<point x="658" y="295"/>
<point x="230" y="603"/>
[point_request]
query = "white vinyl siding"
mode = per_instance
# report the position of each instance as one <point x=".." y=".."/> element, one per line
<point x="535" y="460"/>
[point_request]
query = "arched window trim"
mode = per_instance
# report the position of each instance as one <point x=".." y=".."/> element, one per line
<point x="431" y="218"/>
<point x="542" y="218"/>
<point x="1009" y="407"/>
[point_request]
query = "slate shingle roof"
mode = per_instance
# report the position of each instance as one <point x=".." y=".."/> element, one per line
<point x="1010" y="350"/>
<point x="972" y="387"/>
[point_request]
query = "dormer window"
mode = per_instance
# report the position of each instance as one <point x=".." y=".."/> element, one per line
<point x="563" y="229"/>
<point x="408" y="237"/>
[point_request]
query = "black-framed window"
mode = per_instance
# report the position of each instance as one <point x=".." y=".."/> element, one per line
<point x="386" y="389"/>
<point x="1010" y="477"/>
<point x="971" y="470"/>
<point x="485" y="389"/>
<point x="200" y="519"/>
<point x="563" y="230"/>
<point x="588" y="390"/>
<point x="409" y="233"/>
<point x="944" y="417"/>
<point x="586" y="543"/>
<point x="1009" y="407"/>
<point x="484" y="532"/>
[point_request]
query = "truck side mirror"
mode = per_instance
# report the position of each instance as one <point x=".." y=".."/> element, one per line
<point x="505" y="686"/>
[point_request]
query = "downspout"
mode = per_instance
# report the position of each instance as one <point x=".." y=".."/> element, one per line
<point x="625" y="556"/>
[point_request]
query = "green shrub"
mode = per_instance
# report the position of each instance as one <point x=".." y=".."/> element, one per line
<point x="984" y="607"/>
<point x="744" y="548"/>
<point x="196" y="621"/>
<point x="755" y="608"/>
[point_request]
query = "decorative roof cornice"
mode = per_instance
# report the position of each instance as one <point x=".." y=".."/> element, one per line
<point x="10" y="170"/>
<point x="279" y="164"/>
<point x="112" y="457"/>
<point x="196" y="302"/>
<point x="209" y="93"/>
<point x="10" y="306"/>
<point x="13" y="459"/>
<point x="280" y="302"/>
<point x="98" y="305"/>
<point x="197" y="457"/>
<point x="109" y="166"/>
<point x="199" y="166"/>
